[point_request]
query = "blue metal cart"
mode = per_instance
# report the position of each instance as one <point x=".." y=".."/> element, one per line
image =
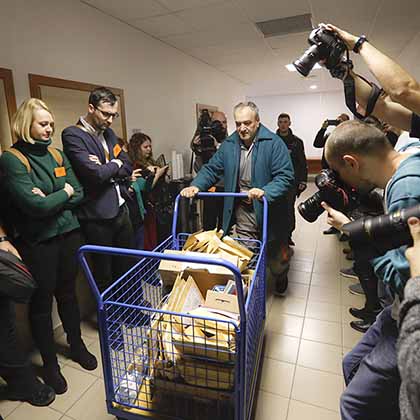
<point x="151" y="369"/>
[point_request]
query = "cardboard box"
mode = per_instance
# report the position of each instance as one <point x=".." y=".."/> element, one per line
<point x="222" y="301"/>
<point x="206" y="276"/>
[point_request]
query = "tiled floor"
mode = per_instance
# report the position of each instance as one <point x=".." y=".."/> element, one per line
<point x="307" y="334"/>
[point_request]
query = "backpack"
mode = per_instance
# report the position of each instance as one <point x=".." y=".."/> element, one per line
<point x="58" y="157"/>
<point x="16" y="281"/>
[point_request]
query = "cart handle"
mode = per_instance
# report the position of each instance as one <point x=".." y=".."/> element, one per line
<point x="221" y="194"/>
<point x="139" y="254"/>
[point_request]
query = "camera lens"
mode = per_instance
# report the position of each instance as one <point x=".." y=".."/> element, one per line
<point x="311" y="209"/>
<point x="306" y="62"/>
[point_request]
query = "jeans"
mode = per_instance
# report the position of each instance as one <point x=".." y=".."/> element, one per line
<point x="116" y="232"/>
<point x="371" y="374"/>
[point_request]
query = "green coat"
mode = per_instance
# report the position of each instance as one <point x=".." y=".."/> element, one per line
<point x="37" y="218"/>
<point x="272" y="171"/>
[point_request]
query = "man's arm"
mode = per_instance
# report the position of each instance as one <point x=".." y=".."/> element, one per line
<point x="397" y="82"/>
<point x="385" y="109"/>
<point x="78" y="154"/>
<point x="302" y="167"/>
<point x="320" y="138"/>
<point x="282" y="172"/>
<point x="211" y="172"/>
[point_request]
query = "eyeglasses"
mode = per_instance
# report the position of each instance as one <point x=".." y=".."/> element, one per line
<point x="108" y="115"/>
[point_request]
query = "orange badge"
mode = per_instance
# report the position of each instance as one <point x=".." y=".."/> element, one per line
<point x="60" y="171"/>
<point x="116" y="150"/>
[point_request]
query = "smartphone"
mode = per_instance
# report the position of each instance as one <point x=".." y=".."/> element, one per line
<point x="333" y="122"/>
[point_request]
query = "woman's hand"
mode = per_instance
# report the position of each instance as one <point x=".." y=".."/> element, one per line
<point x="137" y="173"/>
<point x="68" y="189"/>
<point x="38" y="191"/>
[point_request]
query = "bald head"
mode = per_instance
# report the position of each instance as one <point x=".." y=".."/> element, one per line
<point x="355" y="138"/>
<point x="220" y="116"/>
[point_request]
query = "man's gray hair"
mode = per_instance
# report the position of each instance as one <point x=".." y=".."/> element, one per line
<point x="250" y="105"/>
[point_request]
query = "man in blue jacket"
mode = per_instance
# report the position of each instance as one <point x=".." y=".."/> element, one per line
<point x="103" y="169"/>
<point x="256" y="161"/>
<point x="364" y="158"/>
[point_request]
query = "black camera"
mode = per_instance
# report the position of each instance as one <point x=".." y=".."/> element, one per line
<point x="387" y="231"/>
<point x="325" y="46"/>
<point x="331" y="190"/>
<point x="208" y="132"/>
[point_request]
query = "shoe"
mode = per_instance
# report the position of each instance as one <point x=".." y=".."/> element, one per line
<point x="349" y="272"/>
<point x="343" y="238"/>
<point x="361" y="326"/>
<point x="350" y="256"/>
<point x="281" y="286"/>
<point x="82" y="356"/>
<point x="356" y="289"/>
<point x="364" y="313"/>
<point x="331" y="231"/>
<point x="54" y="378"/>
<point x="40" y="395"/>
<point x="346" y="250"/>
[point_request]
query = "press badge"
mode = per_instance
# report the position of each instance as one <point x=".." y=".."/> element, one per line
<point x="116" y="150"/>
<point x="60" y="172"/>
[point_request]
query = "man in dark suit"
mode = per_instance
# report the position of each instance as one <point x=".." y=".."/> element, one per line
<point x="103" y="169"/>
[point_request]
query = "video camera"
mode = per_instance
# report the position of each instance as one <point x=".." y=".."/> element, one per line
<point x="331" y="190"/>
<point x="387" y="231"/>
<point x="208" y="132"/>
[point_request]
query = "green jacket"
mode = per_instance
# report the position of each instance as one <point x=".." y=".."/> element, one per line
<point x="272" y="171"/>
<point x="37" y="218"/>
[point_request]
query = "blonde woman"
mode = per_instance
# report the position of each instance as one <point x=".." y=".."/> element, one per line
<point x="44" y="191"/>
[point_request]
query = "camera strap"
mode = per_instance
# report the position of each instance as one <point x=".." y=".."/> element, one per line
<point x="350" y="96"/>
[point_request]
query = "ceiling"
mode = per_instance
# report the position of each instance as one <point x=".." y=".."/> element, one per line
<point x="222" y="33"/>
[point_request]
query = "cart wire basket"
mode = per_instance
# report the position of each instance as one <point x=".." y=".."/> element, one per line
<point x="184" y="366"/>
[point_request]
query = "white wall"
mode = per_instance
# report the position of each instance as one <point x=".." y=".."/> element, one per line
<point x="70" y="40"/>
<point x="307" y="113"/>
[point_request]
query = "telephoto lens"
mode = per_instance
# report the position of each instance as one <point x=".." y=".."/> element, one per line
<point x="387" y="231"/>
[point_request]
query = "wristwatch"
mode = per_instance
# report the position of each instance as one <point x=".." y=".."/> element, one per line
<point x="4" y="239"/>
<point x="359" y="43"/>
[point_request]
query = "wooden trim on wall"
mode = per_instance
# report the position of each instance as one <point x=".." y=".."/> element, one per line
<point x="36" y="81"/>
<point x="9" y="88"/>
<point x="314" y="165"/>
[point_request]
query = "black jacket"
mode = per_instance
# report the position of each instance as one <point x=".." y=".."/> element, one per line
<point x="98" y="181"/>
<point x="297" y="154"/>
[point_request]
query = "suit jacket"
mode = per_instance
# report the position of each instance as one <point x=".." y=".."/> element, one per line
<point x="101" y="198"/>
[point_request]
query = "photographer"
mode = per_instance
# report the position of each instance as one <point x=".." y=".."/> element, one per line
<point x="297" y="153"/>
<point x="409" y="339"/>
<point x="210" y="134"/>
<point x="242" y="162"/>
<point x="399" y="104"/>
<point x="319" y="142"/>
<point x="363" y="157"/>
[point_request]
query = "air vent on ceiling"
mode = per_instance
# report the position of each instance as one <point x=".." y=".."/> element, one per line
<point x="285" y="26"/>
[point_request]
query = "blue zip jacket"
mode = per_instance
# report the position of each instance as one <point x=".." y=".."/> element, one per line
<point x="272" y="171"/>
<point x="402" y="191"/>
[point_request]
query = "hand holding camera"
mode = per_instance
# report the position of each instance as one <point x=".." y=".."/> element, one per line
<point x="335" y="218"/>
